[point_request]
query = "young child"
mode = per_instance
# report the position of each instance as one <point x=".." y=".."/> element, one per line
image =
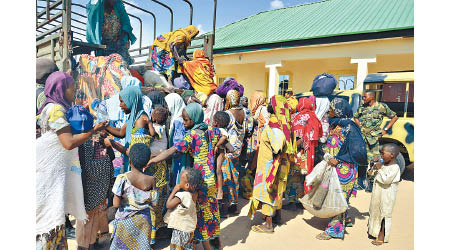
<point x="182" y="214"/>
<point x="134" y="196"/>
<point x="384" y="194"/>
<point x="157" y="130"/>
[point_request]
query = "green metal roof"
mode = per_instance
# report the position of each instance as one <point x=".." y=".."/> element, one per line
<point x="317" y="20"/>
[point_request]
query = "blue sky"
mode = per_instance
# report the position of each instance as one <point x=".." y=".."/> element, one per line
<point x="228" y="11"/>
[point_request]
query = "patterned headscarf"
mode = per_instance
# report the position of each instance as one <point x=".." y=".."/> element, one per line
<point x="341" y="108"/>
<point x="232" y="100"/>
<point x="132" y="97"/>
<point x="281" y="120"/>
<point x="195" y="112"/>
<point x="308" y="128"/>
<point x="215" y="103"/>
<point x="55" y="87"/>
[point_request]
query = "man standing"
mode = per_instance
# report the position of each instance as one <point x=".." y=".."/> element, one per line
<point x="369" y="118"/>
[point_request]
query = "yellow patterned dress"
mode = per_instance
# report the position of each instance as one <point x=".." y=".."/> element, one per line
<point x="271" y="173"/>
<point x="200" y="144"/>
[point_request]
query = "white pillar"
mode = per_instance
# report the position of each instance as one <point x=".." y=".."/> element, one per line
<point x="362" y="70"/>
<point x="273" y="78"/>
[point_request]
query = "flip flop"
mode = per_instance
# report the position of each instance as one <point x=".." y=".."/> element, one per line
<point x="349" y="223"/>
<point x="259" y="229"/>
<point x="377" y="242"/>
<point x="323" y="236"/>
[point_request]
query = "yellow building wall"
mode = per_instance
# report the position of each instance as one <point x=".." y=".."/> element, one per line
<point x="304" y="63"/>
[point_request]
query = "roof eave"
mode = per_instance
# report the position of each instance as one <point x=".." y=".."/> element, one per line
<point x="407" y="32"/>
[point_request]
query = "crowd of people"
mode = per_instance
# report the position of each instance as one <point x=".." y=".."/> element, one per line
<point x="174" y="161"/>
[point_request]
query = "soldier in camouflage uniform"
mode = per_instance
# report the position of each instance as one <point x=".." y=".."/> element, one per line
<point x="369" y="118"/>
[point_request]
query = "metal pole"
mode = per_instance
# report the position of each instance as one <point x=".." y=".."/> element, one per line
<point x="192" y="10"/>
<point x="148" y="12"/>
<point x="214" y="23"/>
<point x="171" y="12"/>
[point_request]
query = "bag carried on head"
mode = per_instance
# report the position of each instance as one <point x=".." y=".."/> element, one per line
<point x="324" y="84"/>
<point x="80" y="119"/>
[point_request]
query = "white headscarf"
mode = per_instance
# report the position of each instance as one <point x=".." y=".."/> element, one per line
<point x="176" y="105"/>
<point x="215" y="103"/>
<point x="322" y="106"/>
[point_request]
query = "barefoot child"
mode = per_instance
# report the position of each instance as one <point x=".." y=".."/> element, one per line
<point x="134" y="196"/>
<point x="199" y="142"/>
<point x="182" y="216"/>
<point x="384" y="194"/>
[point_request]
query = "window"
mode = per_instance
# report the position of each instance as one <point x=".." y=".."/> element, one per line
<point x="283" y="84"/>
<point x="346" y="82"/>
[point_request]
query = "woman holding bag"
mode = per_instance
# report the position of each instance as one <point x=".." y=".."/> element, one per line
<point x="346" y="145"/>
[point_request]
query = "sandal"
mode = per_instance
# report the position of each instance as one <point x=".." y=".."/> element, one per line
<point x="349" y="223"/>
<point x="377" y="242"/>
<point x="261" y="229"/>
<point x="323" y="236"/>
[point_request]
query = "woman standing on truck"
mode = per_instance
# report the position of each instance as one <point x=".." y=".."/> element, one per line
<point x="108" y="24"/>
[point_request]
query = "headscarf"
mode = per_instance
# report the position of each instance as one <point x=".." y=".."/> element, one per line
<point x="179" y="36"/>
<point x="308" y="128"/>
<point x="95" y="10"/>
<point x="243" y="99"/>
<point x="227" y="85"/>
<point x="187" y="93"/>
<point x="256" y="101"/>
<point x="128" y="80"/>
<point x="215" y="103"/>
<point x="281" y="120"/>
<point x="232" y="99"/>
<point x="195" y="112"/>
<point x="200" y="73"/>
<point x="353" y="150"/>
<point x="175" y="105"/>
<point x="157" y="99"/>
<point x="54" y="90"/>
<point x="322" y="106"/>
<point x="132" y="97"/>
<point x="44" y="67"/>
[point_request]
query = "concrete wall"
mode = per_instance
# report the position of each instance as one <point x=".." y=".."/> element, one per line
<point x="304" y="63"/>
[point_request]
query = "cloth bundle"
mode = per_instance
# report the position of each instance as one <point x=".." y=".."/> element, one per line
<point x="326" y="198"/>
<point x="228" y="85"/>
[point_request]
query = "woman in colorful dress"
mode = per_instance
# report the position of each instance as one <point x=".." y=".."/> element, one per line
<point x="260" y="116"/>
<point x="56" y="150"/>
<point x="161" y="54"/>
<point x="240" y="123"/>
<point x="199" y="143"/>
<point x="108" y="24"/>
<point x="139" y="129"/>
<point x="176" y="134"/>
<point x="275" y="146"/>
<point x="346" y="144"/>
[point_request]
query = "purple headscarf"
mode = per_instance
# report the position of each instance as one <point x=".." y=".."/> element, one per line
<point x="55" y="86"/>
<point x="228" y="85"/>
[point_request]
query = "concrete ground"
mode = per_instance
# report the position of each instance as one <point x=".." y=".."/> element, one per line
<point x="300" y="227"/>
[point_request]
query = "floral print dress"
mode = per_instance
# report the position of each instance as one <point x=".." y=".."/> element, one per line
<point x="200" y="144"/>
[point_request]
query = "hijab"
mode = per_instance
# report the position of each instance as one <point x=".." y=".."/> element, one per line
<point x="233" y="99"/>
<point x="195" y="112"/>
<point x="243" y="99"/>
<point x="353" y="149"/>
<point x="54" y="90"/>
<point x="157" y="99"/>
<point x="281" y="120"/>
<point x="132" y="97"/>
<point x="256" y="101"/>
<point x="214" y="104"/>
<point x="322" y="106"/>
<point x="175" y="105"/>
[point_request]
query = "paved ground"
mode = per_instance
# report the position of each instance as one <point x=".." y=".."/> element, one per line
<point x="300" y="227"/>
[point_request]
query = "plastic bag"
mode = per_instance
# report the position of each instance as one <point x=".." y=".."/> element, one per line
<point x="81" y="121"/>
<point x="334" y="203"/>
<point x="315" y="177"/>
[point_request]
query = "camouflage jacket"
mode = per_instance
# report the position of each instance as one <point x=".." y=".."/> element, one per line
<point x="371" y="118"/>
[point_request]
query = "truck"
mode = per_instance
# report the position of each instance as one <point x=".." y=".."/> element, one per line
<point x="61" y="32"/>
